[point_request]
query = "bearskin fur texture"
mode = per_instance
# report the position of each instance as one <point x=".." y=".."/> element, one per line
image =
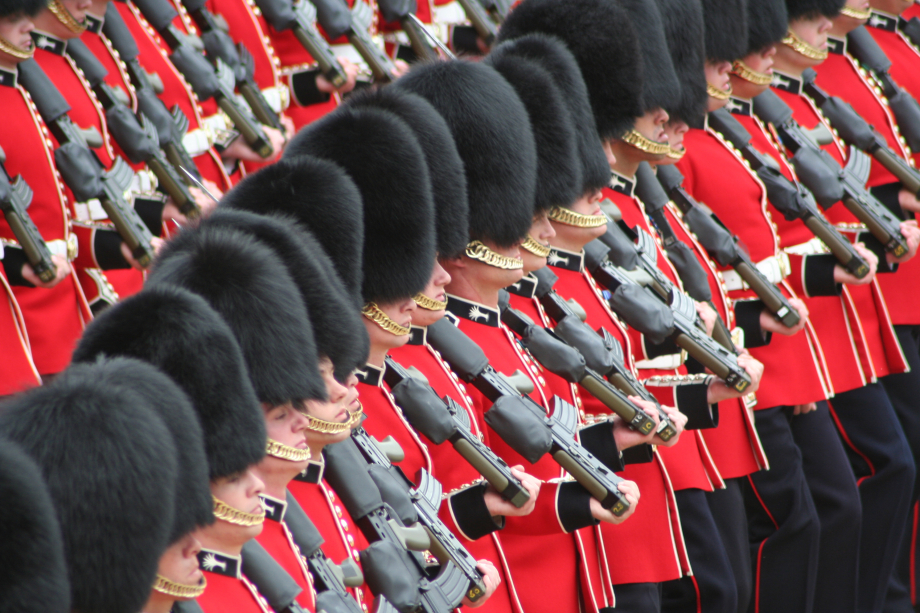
<point x="726" y="28"/>
<point x="683" y="27"/>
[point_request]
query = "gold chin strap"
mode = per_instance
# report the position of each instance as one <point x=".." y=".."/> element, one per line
<point x="676" y="154"/>
<point x="333" y="427"/>
<point x="856" y="13"/>
<point x="571" y="218"/>
<point x="717" y="93"/>
<point x="478" y="251"/>
<point x="285" y="452"/>
<point x="429" y="304"/>
<point x="373" y="312"/>
<point x="179" y="590"/>
<point x="65" y="17"/>
<point x="224" y="511"/>
<point x="10" y="49"/>
<point x="740" y="69"/>
<point x="800" y="46"/>
<point x="535" y="247"/>
<point x="644" y="144"/>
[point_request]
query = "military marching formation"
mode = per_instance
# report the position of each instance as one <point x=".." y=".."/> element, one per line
<point x="567" y="306"/>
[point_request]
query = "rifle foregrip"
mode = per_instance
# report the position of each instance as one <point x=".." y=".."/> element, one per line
<point x="842" y="249"/>
<point x="606" y="394"/>
<point x="512" y="491"/>
<point x="481" y="22"/>
<point x="254" y="135"/>
<point x="33" y="246"/>
<point x="327" y="63"/>
<point x="738" y="380"/>
<point x="892" y="239"/>
<point x="612" y="500"/>
<point x="768" y="293"/>
<point x="379" y="64"/>
<point x="908" y="176"/>
<point x="260" y="107"/>
<point x="174" y="186"/>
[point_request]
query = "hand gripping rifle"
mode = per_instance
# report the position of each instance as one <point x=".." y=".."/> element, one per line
<point x="391" y="566"/>
<point x="793" y="200"/>
<point x="206" y="80"/>
<point x="722" y="246"/>
<point x="137" y="137"/>
<point x="403" y="11"/>
<point x="678" y="322"/>
<point x="337" y="21"/>
<point x="443" y="420"/>
<point x="300" y="18"/>
<point x="15" y="198"/>
<point x="270" y="578"/>
<point x="81" y="169"/>
<point x="522" y="423"/>
<point x="827" y="180"/>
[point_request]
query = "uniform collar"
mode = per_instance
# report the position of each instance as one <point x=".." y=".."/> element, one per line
<point x="786" y="82"/>
<point x="473" y="311"/>
<point x="621" y="184"/>
<point x="220" y="563"/>
<point x="45" y="41"/>
<point x="94" y="23"/>
<point x="837" y="46"/>
<point x="526" y="287"/>
<point x="739" y="106"/>
<point x="370" y="375"/>
<point x="313" y="473"/>
<point x="883" y="21"/>
<point x="567" y="260"/>
<point x="418" y="335"/>
<point x="274" y="508"/>
<point x="8" y="77"/>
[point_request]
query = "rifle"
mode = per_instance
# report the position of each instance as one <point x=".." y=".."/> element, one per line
<point x="270" y="578"/>
<point x="522" y="423"/>
<point x="856" y="132"/>
<point x="300" y="18"/>
<point x="682" y="327"/>
<point x="905" y="108"/>
<point x="793" y="200"/>
<point x="826" y="179"/>
<point x="403" y="11"/>
<point x="485" y="27"/>
<point x="137" y="137"/>
<point x="337" y="21"/>
<point x="206" y="80"/>
<point x="15" y="198"/>
<point x="722" y="246"/>
<point x="82" y="170"/>
<point x="443" y="420"/>
<point x="390" y="567"/>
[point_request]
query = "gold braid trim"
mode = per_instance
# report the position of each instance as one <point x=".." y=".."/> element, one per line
<point x="856" y="13"/>
<point x="286" y="452"/>
<point x="535" y="247"/>
<point x="332" y="427"/>
<point x="478" y="251"/>
<point x="429" y="304"/>
<point x="373" y="312"/>
<point x="676" y="154"/>
<point x="800" y="46"/>
<point x="717" y="93"/>
<point x="64" y="16"/>
<point x="224" y="511"/>
<point x="740" y="69"/>
<point x="179" y="590"/>
<point x="645" y="144"/>
<point x="571" y="218"/>
<point x="10" y="49"/>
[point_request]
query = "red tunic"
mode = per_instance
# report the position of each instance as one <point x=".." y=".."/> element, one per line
<point x="276" y="539"/>
<point x="226" y="593"/>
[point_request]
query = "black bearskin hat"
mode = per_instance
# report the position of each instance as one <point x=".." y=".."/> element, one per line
<point x="322" y="197"/>
<point x="178" y="332"/>
<point x="383" y="157"/>
<point x="726" y="29"/>
<point x="246" y="283"/>
<point x="492" y="131"/>
<point x="110" y="465"/>
<point x="684" y="31"/>
<point x="600" y="35"/>
<point x="445" y="168"/>
<point x="335" y="320"/>
<point x="768" y="23"/>
<point x="33" y="573"/>
<point x="29" y="7"/>
<point x="660" y="89"/>
<point x="807" y="8"/>
<point x="558" y="166"/>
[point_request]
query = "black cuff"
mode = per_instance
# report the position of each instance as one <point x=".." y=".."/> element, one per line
<point x="598" y="439"/>
<point x="304" y="90"/>
<point x="471" y="513"/>
<point x="463" y="39"/>
<point x="875" y="246"/>
<point x="151" y="213"/>
<point x="640" y="454"/>
<point x="107" y="249"/>
<point x="747" y="317"/>
<point x="818" y="273"/>
<point x="653" y="351"/>
<point x="691" y="400"/>
<point x="573" y="506"/>
<point x="889" y="195"/>
<point x="14" y="259"/>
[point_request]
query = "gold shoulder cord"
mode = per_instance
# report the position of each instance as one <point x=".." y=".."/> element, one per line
<point x="535" y="247"/>
<point x="717" y="93"/>
<point x="571" y="218"/>
<point x="179" y="590"/>
<point x="644" y="144"/>
<point x="429" y="304"/>
<point x="17" y="52"/>
<point x="373" y="312"/>
<point x="856" y="13"/>
<point x="65" y="17"/>
<point x="332" y="427"/>
<point x="800" y="46"/>
<point x="478" y="251"/>
<point x="286" y="452"/>
<point x="224" y="511"/>
<point x="740" y="69"/>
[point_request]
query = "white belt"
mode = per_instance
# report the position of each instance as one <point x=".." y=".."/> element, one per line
<point x="774" y="268"/>
<point x="65" y="248"/>
<point x="450" y="13"/>
<point x="143" y="183"/>
<point x="813" y="247"/>
<point x="664" y="362"/>
<point x="349" y="53"/>
<point x="197" y="141"/>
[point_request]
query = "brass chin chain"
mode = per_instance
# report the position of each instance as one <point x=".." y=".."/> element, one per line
<point x="571" y="218"/>
<point x="333" y="427"/>
<point x="285" y="452"/>
<point x="719" y="94"/>
<point x="538" y="249"/>
<point x="179" y="590"/>
<point x="224" y="511"/>
<point x="373" y="312"/>
<point x="478" y="251"/>
<point x="644" y="144"/>
<point x="800" y="46"/>
<point x="676" y="154"/>
<point x="429" y="304"/>
<point x="12" y="50"/>
<point x="856" y="13"/>
<point x="740" y="69"/>
<point x="64" y="16"/>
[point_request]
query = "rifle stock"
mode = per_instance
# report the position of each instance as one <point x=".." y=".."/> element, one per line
<point x="15" y="198"/>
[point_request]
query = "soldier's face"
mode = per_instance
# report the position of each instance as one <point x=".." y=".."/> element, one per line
<point x="541" y="231"/>
<point x="812" y="30"/>
<point x="572" y="238"/>
<point x="401" y="312"/>
<point x="718" y="75"/>
<point x="337" y="409"/>
<point x="895" y="7"/>
<point x="762" y="62"/>
<point x="240" y="491"/>
<point x="179" y="562"/>
<point x="844" y="24"/>
<point x="77" y="8"/>
<point x="286" y="425"/>
<point x="491" y="276"/>
<point x="15" y="29"/>
<point x="435" y="290"/>
<point x="675" y="129"/>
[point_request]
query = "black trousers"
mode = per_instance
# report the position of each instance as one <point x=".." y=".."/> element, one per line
<point x="885" y="471"/>
<point x="636" y="598"/>
<point x="727" y="508"/>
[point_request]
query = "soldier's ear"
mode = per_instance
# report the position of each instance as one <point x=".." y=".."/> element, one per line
<point x="608" y="151"/>
<point x="456" y="262"/>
